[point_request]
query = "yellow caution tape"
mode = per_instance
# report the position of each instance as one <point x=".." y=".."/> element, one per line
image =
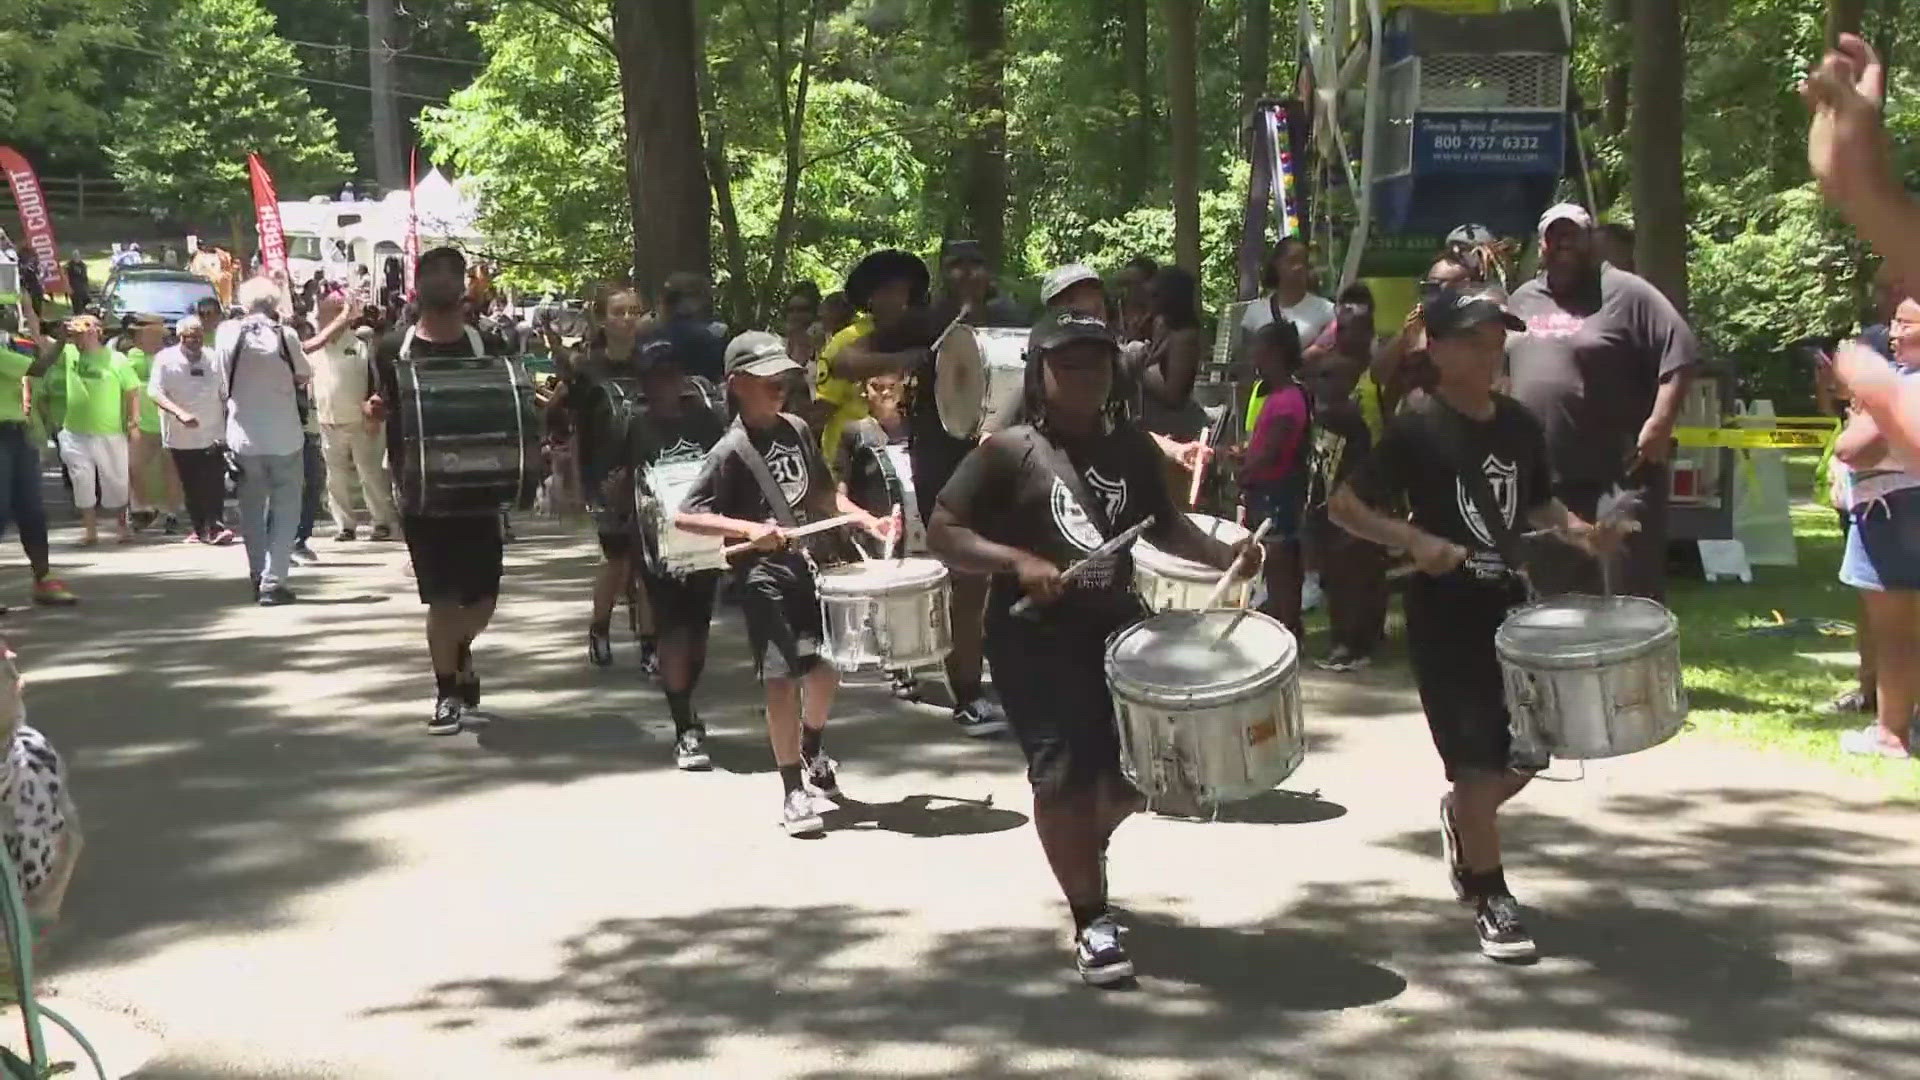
<point x="1754" y="438"/>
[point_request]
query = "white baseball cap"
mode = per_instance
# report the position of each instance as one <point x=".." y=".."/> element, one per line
<point x="1062" y="278"/>
<point x="1565" y="211"/>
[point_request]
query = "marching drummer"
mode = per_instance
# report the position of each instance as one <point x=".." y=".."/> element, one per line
<point x="677" y="425"/>
<point x="1028" y="503"/>
<point x="1471" y="464"/>
<point x="610" y="352"/>
<point x="457" y="557"/>
<point x="763" y="479"/>
<point x="865" y="472"/>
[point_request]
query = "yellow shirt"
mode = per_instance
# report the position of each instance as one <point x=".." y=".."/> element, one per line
<point x="848" y="397"/>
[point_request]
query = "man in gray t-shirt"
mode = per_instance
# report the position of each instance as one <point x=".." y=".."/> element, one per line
<point x="260" y="369"/>
<point x="1604" y="365"/>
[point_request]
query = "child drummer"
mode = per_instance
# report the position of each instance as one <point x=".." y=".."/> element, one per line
<point x="772" y="455"/>
<point x="677" y="425"/>
<point x="1023" y="506"/>
<point x="1467" y="576"/>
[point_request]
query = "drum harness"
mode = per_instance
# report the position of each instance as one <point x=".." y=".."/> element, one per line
<point x="908" y="499"/>
<point x="737" y="441"/>
<point x="479" y="352"/>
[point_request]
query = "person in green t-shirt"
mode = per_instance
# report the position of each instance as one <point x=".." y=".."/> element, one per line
<point x="100" y="407"/>
<point x="150" y="473"/>
<point x="22" y="358"/>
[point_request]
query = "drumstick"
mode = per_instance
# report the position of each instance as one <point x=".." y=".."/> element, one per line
<point x="893" y="541"/>
<point x="1025" y="603"/>
<point x="1221" y="586"/>
<point x="797" y="532"/>
<point x="1199" y="476"/>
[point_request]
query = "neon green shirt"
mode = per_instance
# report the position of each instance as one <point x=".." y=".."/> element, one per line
<point x="13" y="376"/>
<point x="96" y="385"/>
<point x="142" y="365"/>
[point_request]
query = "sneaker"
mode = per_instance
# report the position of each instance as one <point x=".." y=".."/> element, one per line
<point x="304" y="555"/>
<point x="1450" y="849"/>
<point x="820" y="776"/>
<point x="170" y="525"/>
<point x="52" y="592"/>
<point x="1098" y="954"/>
<point x="798" y="815"/>
<point x="446" y="717"/>
<point x="980" y="718"/>
<point x="599" y="647"/>
<point x="344" y="535"/>
<point x="1874" y="741"/>
<point x="382" y="532"/>
<point x="223" y="538"/>
<point x="139" y="520"/>
<point x="689" y="753"/>
<point x="649" y="658"/>
<point x="193" y="538"/>
<point x="1311" y="595"/>
<point x="905" y="686"/>
<point x="1502" y="935"/>
<point x="1853" y="701"/>
<point x="276" y="596"/>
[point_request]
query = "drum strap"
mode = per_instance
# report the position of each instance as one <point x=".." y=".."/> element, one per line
<point x="473" y="343"/>
<point x="1056" y="460"/>
<point x="741" y="445"/>
<point x="1450" y="433"/>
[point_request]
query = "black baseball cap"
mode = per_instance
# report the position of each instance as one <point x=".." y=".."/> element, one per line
<point x="1058" y="329"/>
<point x="447" y="253"/>
<point x="757" y="352"/>
<point x="963" y="249"/>
<point x="1453" y="311"/>
<point x="655" y="353"/>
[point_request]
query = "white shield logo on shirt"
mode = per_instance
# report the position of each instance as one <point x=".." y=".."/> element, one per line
<point x="687" y="450"/>
<point x="789" y="468"/>
<point x="1071" y="519"/>
<point x="1504" y="478"/>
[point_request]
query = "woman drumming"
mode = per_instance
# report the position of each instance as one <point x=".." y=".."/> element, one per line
<point x="1023" y="506"/>
<point x="610" y="352"/>
<point x="1174" y="355"/>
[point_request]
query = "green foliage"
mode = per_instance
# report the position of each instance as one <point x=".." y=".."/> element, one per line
<point x="54" y="55"/>
<point x="182" y="139"/>
<point x="539" y="133"/>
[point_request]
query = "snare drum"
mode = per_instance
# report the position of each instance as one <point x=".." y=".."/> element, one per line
<point x="600" y="440"/>
<point x="978" y="372"/>
<point x="1170" y="583"/>
<point x="888" y="613"/>
<point x="471" y="436"/>
<point x="661" y="489"/>
<point x="1591" y="676"/>
<point x="1205" y="721"/>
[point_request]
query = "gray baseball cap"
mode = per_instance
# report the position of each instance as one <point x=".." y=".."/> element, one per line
<point x="757" y="352"/>
<point x="1062" y="278"/>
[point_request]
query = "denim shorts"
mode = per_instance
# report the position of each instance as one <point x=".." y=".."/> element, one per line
<point x="1284" y="503"/>
<point x="1883" y="547"/>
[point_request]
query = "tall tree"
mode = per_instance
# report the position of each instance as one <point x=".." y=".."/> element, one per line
<point x="1844" y="17"/>
<point x="1256" y="50"/>
<point x="657" y="43"/>
<point x="793" y="78"/>
<point x="386" y="108"/>
<point x="1658" y="150"/>
<point x="221" y="93"/>
<point x="1183" y="116"/>
<point x="1137" y="162"/>
<point x="1619" y="86"/>
<point x="983" y="33"/>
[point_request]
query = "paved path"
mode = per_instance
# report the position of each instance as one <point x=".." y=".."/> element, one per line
<point x="287" y="878"/>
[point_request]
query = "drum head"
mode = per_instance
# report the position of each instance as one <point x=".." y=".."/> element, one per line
<point x="1173" y="566"/>
<point x="1585" y="631"/>
<point x="881" y="576"/>
<point x="960" y="382"/>
<point x="1178" y="658"/>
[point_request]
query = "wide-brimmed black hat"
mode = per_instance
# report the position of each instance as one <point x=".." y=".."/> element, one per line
<point x="883" y="266"/>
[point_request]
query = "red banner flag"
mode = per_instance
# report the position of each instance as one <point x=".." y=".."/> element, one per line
<point x="413" y="217"/>
<point x="266" y="218"/>
<point x="36" y="220"/>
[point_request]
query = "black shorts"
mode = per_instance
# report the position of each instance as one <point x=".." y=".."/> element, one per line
<point x="680" y="602"/>
<point x="616" y="545"/>
<point x="457" y="559"/>
<point x="1052" y="677"/>
<point x="782" y="607"/>
<point x="1450" y="628"/>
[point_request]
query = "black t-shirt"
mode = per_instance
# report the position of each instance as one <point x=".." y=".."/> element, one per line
<point x="936" y="453"/>
<point x="1341" y="441"/>
<point x="1414" y="459"/>
<point x="792" y="453"/>
<point x="857" y="462"/>
<point x="1590" y="365"/>
<point x="383" y="378"/>
<point x="658" y="439"/>
<point x="1007" y="491"/>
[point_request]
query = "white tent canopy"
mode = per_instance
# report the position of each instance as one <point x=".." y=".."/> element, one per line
<point x="446" y="212"/>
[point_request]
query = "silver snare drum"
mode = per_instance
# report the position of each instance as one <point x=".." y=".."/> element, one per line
<point x="1591" y="676"/>
<point x="662" y="488"/>
<point x="889" y="613"/>
<point x="1170" y="583"/>
<point x="1205" y="721"/>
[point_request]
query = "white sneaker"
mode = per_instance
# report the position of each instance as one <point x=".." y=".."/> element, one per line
<point x="1098" y="954"/>
<point x="1311" y="595"/>
<point x="798" y="815"/>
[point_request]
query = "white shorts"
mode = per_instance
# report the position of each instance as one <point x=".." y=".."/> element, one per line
<point x="92" y="459"/>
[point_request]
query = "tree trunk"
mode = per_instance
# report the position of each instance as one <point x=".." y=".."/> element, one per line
<point x="1138" y="162"/>
<point x="738" y="295"/>
<point x="386" y="109"/>
<point x="657" y="45"/>
<point x="1659" y="172"/>
<point x="984" y="159"/>
<point x="794" y="117"/>
<point x="1256" y="49"/>
<point x="1184" y="119"/>
<point x="1844" y="17"/>
<point x="1618" y="90"/>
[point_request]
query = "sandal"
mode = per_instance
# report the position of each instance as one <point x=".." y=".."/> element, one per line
<point x="1870" y="742"/>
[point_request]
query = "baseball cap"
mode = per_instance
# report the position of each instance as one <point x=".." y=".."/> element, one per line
<point x="1565" y="211"/>
<point x="1062" y="278"/>
<point x="1061" y="328"/>
<point x="448" y="253"/>
<point x="757" y="352"/>
<point x="656" y="351"/>
<point x="963" y="249"/>
<point x="1454" y="311"/>
<point x="1471" y="234"/>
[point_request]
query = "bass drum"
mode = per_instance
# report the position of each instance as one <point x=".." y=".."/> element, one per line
<point x="471" y="434"/>
<point x="600" y="441"/>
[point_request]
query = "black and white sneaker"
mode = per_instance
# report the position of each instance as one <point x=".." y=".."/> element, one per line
<point x="1502" y="935"/>
<point x="690" y="752"/>
<point x="344" y="535"/>
<point x="798" y="816"/>
<point x="904" y="685"/>
<point x="820" y="776"/>
<point x="649" y="658"/>
<point x="1098" y="954"/>
<point x="980" y="718"/>
<point x="1450" y="849"/>
<point x="304" y="555"/>
<point x="447" y="718"/>
<point x="599" y="647"/>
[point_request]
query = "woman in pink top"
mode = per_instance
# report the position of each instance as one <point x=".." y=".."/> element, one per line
<point x="1273" y="471"/>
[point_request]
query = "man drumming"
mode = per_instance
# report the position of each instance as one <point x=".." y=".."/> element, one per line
<point x="677" y="425"/>
<point x="1471" y="463"/>
<point x="457" y="557"/>
<point x="766" y="477"/>
<point x="1029" y="502"/>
